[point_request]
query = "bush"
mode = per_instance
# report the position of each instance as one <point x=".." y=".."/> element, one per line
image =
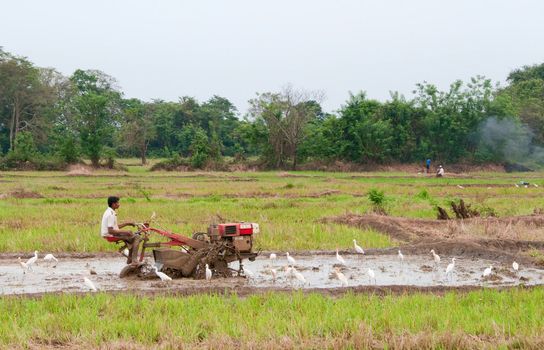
<point x="378" y="200"/>
<point x="173" y="163"/>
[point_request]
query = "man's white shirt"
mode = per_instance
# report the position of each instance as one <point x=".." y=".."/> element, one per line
<point x="109" y="219"/>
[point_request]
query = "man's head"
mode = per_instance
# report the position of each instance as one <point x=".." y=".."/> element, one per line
<point x="113" y="202"/>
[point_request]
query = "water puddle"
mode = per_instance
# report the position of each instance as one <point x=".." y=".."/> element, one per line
<point x="317" y="270"/>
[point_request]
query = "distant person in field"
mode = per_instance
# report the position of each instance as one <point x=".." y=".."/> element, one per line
<point x="428" y="164"/>
<point x="110" y="228"/>
<point x="440" y="171"/>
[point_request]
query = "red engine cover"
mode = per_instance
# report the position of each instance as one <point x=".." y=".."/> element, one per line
<point x="235" y="229"/>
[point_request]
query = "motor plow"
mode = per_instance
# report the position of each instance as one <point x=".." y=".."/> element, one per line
<point x="182" y="256"/>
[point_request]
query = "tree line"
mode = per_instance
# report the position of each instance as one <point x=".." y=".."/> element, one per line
<point x="48" y="120"/>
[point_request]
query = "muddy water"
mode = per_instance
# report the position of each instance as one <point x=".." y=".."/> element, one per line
<point x="68" y="274"/>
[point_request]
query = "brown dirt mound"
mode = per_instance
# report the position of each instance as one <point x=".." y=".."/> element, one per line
<point x="21" y="193"/>
<point x="491" y="238"/>
<point x="408" y="229"/>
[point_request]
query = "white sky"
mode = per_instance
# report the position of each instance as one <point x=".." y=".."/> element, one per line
<point x="235" y="48"/>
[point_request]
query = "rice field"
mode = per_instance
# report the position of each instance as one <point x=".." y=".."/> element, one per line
<point x="60" y="212"/>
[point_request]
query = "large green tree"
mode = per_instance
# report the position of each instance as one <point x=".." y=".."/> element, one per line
<point x="137" y="126"/>
<point x="285" y="116"/>
<point x="26" y="95"/>
<point x="95" y="109"/>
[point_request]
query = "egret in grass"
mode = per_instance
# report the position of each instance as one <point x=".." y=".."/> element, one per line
<point x="290" y="259"/>
<point x="449" y="269"/>
<point x="90" y="284"/>
<point x="461" y="187"/>
<point x="50" y="258"/>
<point x="23" y="265"/>
<point x="371" y="275"/>
<point x="358" y="249"/>
<point x="32" y="260"/>
<point x="341" y="277"/>
<point x="208" y="273"/>
<point x="162" y="275"/>
<point x="515" y="266"/>
<point x="436" y="258"/>
<point x="487" y="271"/>
<point x="339" y="258"/>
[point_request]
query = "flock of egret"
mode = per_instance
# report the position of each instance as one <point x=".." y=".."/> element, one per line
<point x="49" y="259"/>
<point x="291" y="271"/>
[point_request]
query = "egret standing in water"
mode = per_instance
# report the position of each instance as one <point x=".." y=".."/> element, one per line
<point x="32" y="261"/>
<point x="273" y="257"/>
<point x="274" y="274"/>
<point x="49" y="258"/>
<point x="90" y="284"/>
<point x="401" y="257"/>
<point x="290" y="259"/>
<point x="341" y="277"/>
<point x="162" y="275"/>
<point x="371" y="275"/>
<point x="449" y="269"/>
<point x="487" y="271"/>
<point x="299" y="276"/>
<point x="436" y="258"/>
<point x="23" y="265"/>
<point x="339" y="258"/>
<point x="515" y="266"/>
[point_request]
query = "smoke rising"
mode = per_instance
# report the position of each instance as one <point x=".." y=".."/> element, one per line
<point x="511" y="141"/>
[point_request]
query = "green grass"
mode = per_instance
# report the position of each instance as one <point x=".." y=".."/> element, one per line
<point x="96" y="320"/>
<point x="287" y="205"/>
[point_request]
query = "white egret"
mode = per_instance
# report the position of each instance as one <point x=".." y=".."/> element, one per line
<point x="290" y="259"/>
<point x="299" y="276"/>
<point x="340" y="259"/>
<point x="274" y="274"/>
<point x="90" y="284"/>
<point x="436" y="258"/>
<point x="49" y="258"/>
<point x="341" y="277"/>
<point x="401" y="257"/>
<point x="461" y="187"/>
<point x="487" y="271"/>
<point x="515" y="266"/>
<point x="451" y="266"/>
<point x="162" y="275"/>
<point x="273" y="257"/>
<point x="371" y="275"/>
<point x="32" y="260"/>
<point x="288" y="271"/>
<point x="23" y="265"/>
<point x="535" y="185"/>
<point x="517" y="185"/>
<point x="208" y="273"/>
<point x="358" y="249"/>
